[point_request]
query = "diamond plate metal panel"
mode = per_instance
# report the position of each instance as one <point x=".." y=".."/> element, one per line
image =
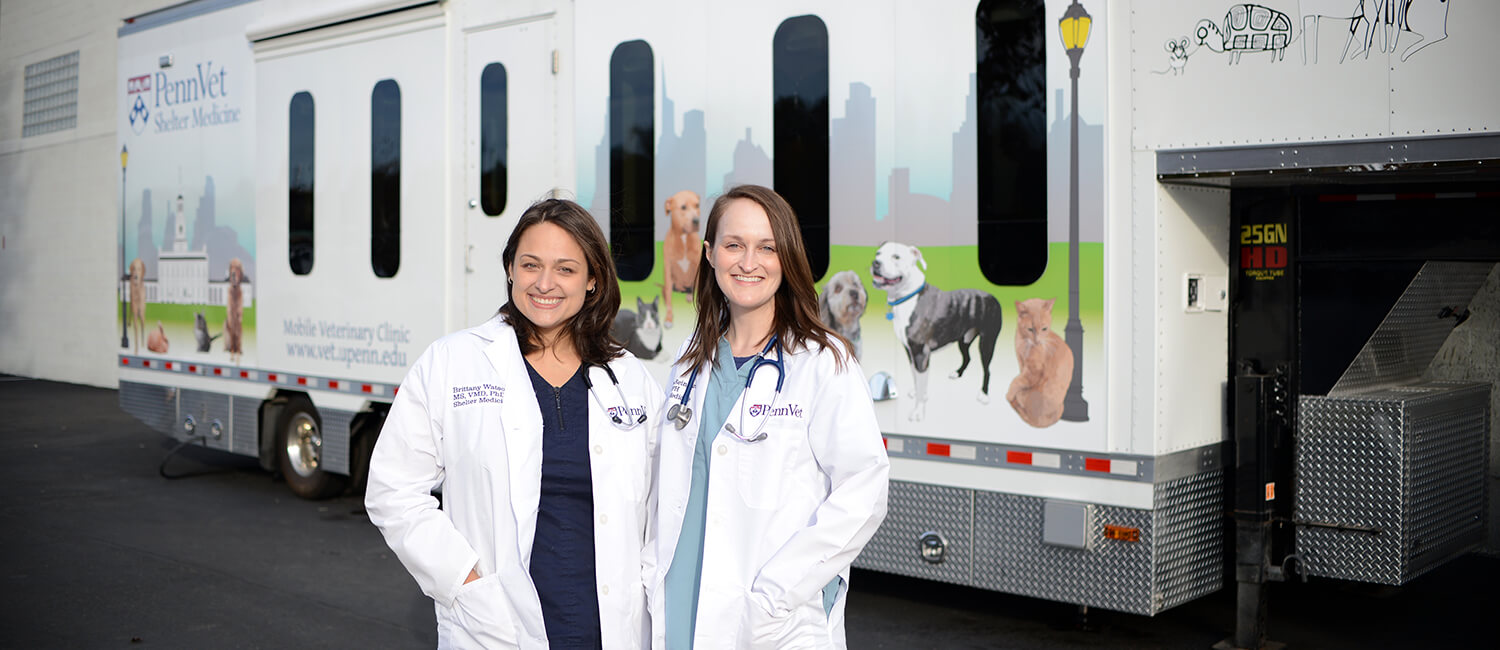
<point x="335" y="440"/>
<point x="915" y="509"/>
<point x="205" y="409"/>
<point x="1406" y="464"/>
<point x="1470" y="354"/>
<point x="1009" y="556"/>
<point x="244" y="431"/>
<point x="995" y="542"/>
<point x="1189" y="552"/>
<point x="156" y="406"/>
<point x="1411" y="334"/>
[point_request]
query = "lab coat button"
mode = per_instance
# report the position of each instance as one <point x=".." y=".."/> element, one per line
<point x="604" y="589"/>
<point x="723" y="449"/>
<point x="603" y="519"/>
<point x="598" y="449"/>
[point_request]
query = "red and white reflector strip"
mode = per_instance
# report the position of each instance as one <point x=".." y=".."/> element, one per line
<point x="1106" y="465"/>
<point x="1034" y="459"/>
<point x="169" y="365"/>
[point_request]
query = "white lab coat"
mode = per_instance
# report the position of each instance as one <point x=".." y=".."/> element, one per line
<point x="466" y="418"/>
<point x="784" y="515"/>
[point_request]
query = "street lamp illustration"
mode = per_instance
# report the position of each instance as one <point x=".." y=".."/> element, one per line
<point x="1074" y="26"/>
<point x="124" y="319"/>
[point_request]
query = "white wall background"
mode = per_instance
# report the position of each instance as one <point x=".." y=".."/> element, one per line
<point x="59" y="203"/>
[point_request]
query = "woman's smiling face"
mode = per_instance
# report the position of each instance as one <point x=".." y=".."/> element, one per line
<point x="744" y="258"/>
<point x="549" y="278"/>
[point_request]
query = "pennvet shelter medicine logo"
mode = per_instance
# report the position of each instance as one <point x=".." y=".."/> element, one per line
<point x="139" y="114"/>
<point x="757" y="410"/>
<point x="200" y="91"/>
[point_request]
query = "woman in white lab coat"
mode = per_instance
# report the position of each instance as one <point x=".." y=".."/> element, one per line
<point x="538" y="428"/>
<point x="764" y="497"/>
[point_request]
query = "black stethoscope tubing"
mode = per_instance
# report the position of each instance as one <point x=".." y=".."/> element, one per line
<point x="618" y="421"/>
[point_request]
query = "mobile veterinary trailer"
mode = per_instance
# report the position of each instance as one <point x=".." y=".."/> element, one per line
<point x="1098" y="260"/>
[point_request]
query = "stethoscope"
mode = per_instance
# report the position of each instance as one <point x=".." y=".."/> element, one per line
<point x="680" y="413"/>
<point x="620" y="417"/>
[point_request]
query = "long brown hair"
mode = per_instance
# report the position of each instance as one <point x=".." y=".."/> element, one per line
<point x="589" y="328"/>
<point x="796" y="320"/>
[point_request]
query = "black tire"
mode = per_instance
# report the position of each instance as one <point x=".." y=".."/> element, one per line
<point x="360" y="449"/>
<point x="299" y="451"/>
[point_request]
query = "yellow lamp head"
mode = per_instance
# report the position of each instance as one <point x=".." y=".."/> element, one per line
<point x="1075" y="26"/>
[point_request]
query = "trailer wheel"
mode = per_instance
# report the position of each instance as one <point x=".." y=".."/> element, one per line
<point x="367" y="431"/>
<point x="299" y="451"/>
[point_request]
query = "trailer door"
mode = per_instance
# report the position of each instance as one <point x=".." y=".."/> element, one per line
<point x="510" y="158"/>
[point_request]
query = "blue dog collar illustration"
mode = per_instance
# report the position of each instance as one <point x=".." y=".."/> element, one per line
<point x="891" y="315"/>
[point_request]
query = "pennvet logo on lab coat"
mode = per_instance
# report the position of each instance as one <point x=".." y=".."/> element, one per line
<point x="630" y="414"/>
<point x="757" y="410"/>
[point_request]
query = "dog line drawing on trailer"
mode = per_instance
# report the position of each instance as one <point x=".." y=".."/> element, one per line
<point x="1256" y="28"/>
<point x="927" y="318"/>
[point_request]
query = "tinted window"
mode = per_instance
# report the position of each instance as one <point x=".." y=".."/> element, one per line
<point x="300" y="184"/>
<point x="800" y="87"/>
<point x="492" y="145"/>
<point x="385" y="178"/>
<point x="1012" y="170"/>
<point x="632" y="174"/>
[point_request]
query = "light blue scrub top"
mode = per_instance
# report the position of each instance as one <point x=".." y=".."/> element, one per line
<point x="685" y="576"/>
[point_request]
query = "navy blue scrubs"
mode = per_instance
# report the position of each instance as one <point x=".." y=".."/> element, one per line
<point x="562" y="553"/>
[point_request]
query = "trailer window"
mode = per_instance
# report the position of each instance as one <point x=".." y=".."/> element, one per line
<point x="385" y="178"/>
<point x="799" y="72"/>
<point x="492" y="139"/>
<point x="1012" y="112"/>
<point x="632" y="160"/>
<point x="300" y="184"/>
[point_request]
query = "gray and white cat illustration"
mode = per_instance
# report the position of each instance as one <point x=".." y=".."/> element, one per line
<point x="200" y="331"/>
<point x="640" y="330"/>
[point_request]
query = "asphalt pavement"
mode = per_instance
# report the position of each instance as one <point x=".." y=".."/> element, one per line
<point x="97" y="550"/>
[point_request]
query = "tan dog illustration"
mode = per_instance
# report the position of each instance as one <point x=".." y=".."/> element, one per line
<point x="158" y="340"/>
<point x="1046" y="365"/>
<point x="137" y="317"/>
<point x="234" y="317"/>
<point x="842" y="304"/>
<point x="682" y="248"/>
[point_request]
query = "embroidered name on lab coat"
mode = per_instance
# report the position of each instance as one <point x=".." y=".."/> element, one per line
<point x="478" y="394"/>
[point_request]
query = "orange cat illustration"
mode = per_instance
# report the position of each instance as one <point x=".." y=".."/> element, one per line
<point x="1046" y="365"/>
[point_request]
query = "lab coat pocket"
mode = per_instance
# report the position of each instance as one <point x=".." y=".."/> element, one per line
<point x="482" y="616"/>
<point x="762" y="472"/>
<point x="805" y="627"/>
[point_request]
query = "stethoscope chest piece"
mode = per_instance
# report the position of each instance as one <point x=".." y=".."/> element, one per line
<point x="680" y="414"/>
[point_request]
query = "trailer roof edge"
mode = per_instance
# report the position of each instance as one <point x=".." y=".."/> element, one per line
<point x="1222" y="165"/>
<point x="174" y="13"/>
